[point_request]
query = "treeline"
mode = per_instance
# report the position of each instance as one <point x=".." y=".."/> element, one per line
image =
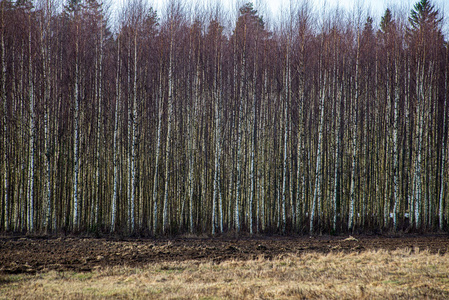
<point x="178" y="124"/>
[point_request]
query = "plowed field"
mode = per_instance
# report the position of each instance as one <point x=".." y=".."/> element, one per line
<point x="37" y="254"/>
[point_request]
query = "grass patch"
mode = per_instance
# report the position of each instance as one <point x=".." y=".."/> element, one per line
<point x="9" y="279"/>
<point x="370" y="274"/>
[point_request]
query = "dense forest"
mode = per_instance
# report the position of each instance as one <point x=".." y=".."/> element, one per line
<point x="176" y="123"/>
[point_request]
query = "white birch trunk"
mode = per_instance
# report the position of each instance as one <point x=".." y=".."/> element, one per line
<point x="239" y="138"/>
<point x="5" y="126"/>
<point x="395" y="146"/>
<point x="300" y="191"/>
<point x="192" y="121"/>
<point x="220" y="197"/>
<point x="387" y="174"/>
<point x="354" y="139"/>
<point x="239" y="163"/>
<point x="47" y="213"/>
<point x="261" y="200"/>
<point x="168" y="141"/>
<point x="443" y="154"/>
<point x="418" y="142"/>
<point x="116" y="132"/>
<point x="31" y="152"/>
<point x="45" y="65"/>
<point x="191" y="165"/>
<point x="134" y="140"/>
<point x="337" y="158"/>
<point x="387" y="149"/>
<point x="217" y="146"/>
<point x="284" y="171"/>
<point x="214" y="196"/>
<point x="318" y="173"/>
<point x="158" y="151"/>
<point x="262" y="192"/>
<point x="286" y="127"/>
<point x="95" y="202"/>
<point x="129" y="136"/>
<point x="409" y="136"/>
<point x="76" y="138"/>
<point x="253" y="149"/>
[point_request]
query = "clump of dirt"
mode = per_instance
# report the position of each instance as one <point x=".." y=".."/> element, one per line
<point x="31" y="255"/>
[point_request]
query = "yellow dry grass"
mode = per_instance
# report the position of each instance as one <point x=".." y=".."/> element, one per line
<point x="372" y="274"/>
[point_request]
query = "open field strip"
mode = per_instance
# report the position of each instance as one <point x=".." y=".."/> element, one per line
<point x="404" y="273"/>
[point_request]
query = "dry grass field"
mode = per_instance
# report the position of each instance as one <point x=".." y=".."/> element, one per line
<point x="402" y="273"/>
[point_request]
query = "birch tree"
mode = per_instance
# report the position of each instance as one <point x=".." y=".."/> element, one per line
<point x="354" y="121"/>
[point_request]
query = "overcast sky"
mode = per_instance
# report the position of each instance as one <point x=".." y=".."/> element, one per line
<point x="375" y="8"/>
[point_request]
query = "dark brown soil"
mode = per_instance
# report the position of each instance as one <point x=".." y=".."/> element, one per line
<point x="31" y="255"/>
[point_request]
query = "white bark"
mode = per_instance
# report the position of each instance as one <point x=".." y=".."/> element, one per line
<point x="116" y="132"/>
<point x="318" y="172"/>
<point x="99" y="78"/>
<point x="239" y="138"/>
<point x="217" y="147"/>
<point x="158" y="150"/>
<point x="239" y="163"/>
<point x="220" y="197"/>
<point x="261" y="199"/>
<point x="418" y="142"/>
<point x="47" y="214"/>
<point x="395" y="145"/>
<point x="286" y="127"/>
<point x="168" y="141"/>
<point x="253" y="150"/>
<point x="299" y="190"/>
<point x="284" y="171"/>
<point x="214" y="197"/>
<point x="76" y="137"/>
<point x="337" y="158"/>
<point x="299" y="183"/>
<point x="5" y="126"/>
<point x="31" y="151"/>
<point x="409" y="135"/>
<point x="443" y="154"/>
<point x="134" y="142"/>
<point x="191" y="179"/>
<point x="45" y="66"/>
<point x="354" y="139"/>
<point x="191" y="124"/>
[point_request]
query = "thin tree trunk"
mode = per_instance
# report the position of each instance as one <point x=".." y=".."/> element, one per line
<point x="337" y="158"/>
<point x="96" y="200"/>
<point x="354" y="138"/>
<point x="76" y="136"/>
<point x="318" y="173"/>
<point x="443" y="148"/>
<point x="395" y="145"/>
<point x="191" y="178"/>
<point x="5" y="125"/>
<point x="253" y="148"/>
<point x="158" y="151"/>
<point x="47" y="216"/>
<point x="134" y="142"/>
<point x="115" y="147"/>
<point x="284" y="171"/>
<point x="217" y="99"/>
<point x="220" y="146"/>
<point x="300" y="191"/>
<point x="32" y="131"/>
<point x="286" y="127"/>
<point x="168" y="141"/>
<point x="418" y="142"/>
<point x="239" y="138"/>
